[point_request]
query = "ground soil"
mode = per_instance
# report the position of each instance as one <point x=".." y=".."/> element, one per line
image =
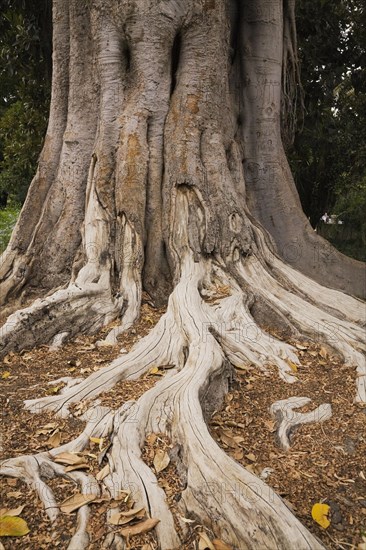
<point x="325" y="464"/>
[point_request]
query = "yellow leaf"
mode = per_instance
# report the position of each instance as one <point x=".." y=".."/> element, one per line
<point x="292" y="365"/>
<point x="320" y="513"/>
<point x="11" y="526"/>
<point x="5" y="375"/>
<point x="154" y="370"/>
<point x="97" y="440"/>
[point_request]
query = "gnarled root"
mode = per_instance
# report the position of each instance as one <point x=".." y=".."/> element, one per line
<point x="202" y="334"/>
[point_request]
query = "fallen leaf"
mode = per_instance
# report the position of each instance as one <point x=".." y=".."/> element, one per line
<point x="227" y="438"/>
<point x="139" y="528"/>
<point x="220" y="545"/>
<point x="76" y="501"/>
<point x="271" y="425"/>
<point x="70" y="459"/>
<point x="134" y="512"/>
<point x="83" y="466"/>
<point x="319" y="513"/>
<point x="13" y="527"/>
<point x="204" y="542"/>
<point x="12" y="511"/>
<point x="54" y="440"/>
<point x="154" y="370"/>
<point x="251" y="457"/>
<point x="301" y="347"/>
<point x="103" y="473"/>
<point x="292" y="365"/>
<point x="5" y="375"/>
<point x="161" y="460"/>
<point x="323" y="352"/>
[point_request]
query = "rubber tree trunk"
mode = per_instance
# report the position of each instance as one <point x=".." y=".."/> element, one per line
<point x="163" y="171"/>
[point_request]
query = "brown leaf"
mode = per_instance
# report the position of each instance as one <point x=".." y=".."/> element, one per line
<point x="134" y="512"/>
<point x="251" y="457"/>
<point x="83" y="466"/>
<point x="323" y="352"/>
<point x="220" y="545"/>
<point x="103" y="473"/>
<point x="55" y="440"/>
<point x="70" y="459"/>
<point x="75" y="502"/>
<point x="227" y="438"/>
<point x="204" y="542"/>
<point x="12" y="511"/>
<point x="139" y="528"/>
<point x="161" y="460"/>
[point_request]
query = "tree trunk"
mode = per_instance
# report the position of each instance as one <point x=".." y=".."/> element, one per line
<point x="162" y="158"/>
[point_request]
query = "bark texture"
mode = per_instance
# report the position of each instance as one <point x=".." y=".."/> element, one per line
<point x="163" y="170"/>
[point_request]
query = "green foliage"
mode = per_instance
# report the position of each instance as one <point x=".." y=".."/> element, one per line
<point x="329" y="154"/>
<point x="25" y="72"/>
<point x="22" y="127"/>
<point x="8" y="218"/>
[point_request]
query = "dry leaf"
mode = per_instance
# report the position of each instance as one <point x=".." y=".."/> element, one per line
<point x="227" y="438"/>
<point x="323" y="352"/>
<point x="54" y="440"/>
<point x="139" y="528"/>
<point x="11" y="526"/>
<point x="161" y="460"/>
<point x="5" y="375"/>
<point x="12" y="511"/>
<point x="220" y="545"/>
<point x="70" y="459"/>
<point x="134" y="512"/>
<point x="204" y="542"/>
<point x="301" y="347"/>
<point x="83" y="466"/>
<point x="251" y="457"/>
<point x="103" y="473"/>
<point x="76" y="501"/>
<point x="319" y="513"/>
<point x="154" y="370"/>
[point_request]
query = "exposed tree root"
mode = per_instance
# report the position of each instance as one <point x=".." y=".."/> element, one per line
<point x="288" y="419"/>
<point x="206" y="329"/>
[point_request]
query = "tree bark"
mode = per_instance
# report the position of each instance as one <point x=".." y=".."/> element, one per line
<point x="163" y="157"/>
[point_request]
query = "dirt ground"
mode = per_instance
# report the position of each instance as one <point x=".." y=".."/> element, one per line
<point x="326" y="463"/>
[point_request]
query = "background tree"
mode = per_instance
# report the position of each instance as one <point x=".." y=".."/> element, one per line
<point x="25" y="76"/>
<point x="328" y="155"/>
<point x="163" y="170"/>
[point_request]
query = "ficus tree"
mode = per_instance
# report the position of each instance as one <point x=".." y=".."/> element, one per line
<point x="163" y="170"/>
